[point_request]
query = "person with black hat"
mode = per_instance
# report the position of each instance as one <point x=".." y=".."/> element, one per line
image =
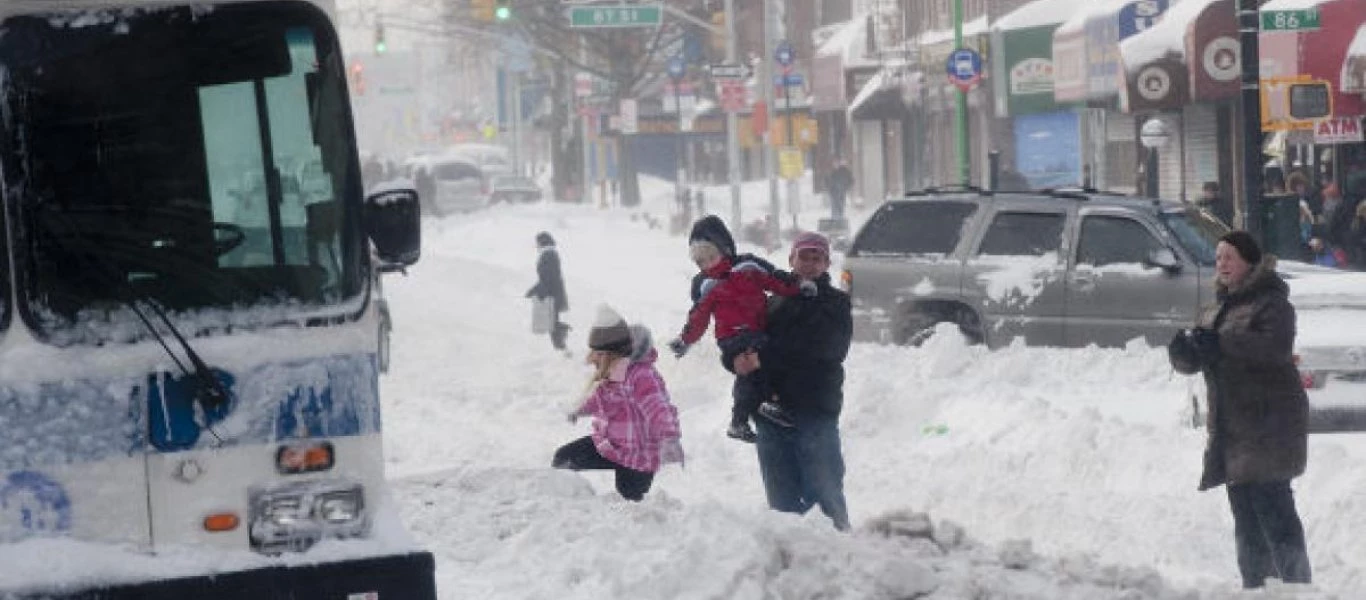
<point x="1257" y="422"/>
<point x="550" y="284"/>
<point x="635" y="426"/>
<point x="732" y="293"/>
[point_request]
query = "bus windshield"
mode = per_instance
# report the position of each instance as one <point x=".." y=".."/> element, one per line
<point x="196" y="158"/>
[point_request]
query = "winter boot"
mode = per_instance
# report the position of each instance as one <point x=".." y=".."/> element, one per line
<point x="742" y="432"/>
<point x="775" y="413"/>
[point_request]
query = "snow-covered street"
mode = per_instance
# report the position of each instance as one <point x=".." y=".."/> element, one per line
<point x="1071" y="473"/>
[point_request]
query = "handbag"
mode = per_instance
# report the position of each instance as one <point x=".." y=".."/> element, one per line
<point x="542" y="314"/>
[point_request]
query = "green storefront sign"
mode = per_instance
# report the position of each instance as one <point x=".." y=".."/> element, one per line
<point x="1022" y="70"/>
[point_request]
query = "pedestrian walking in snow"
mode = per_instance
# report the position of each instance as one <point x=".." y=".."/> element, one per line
<point x="550" y="286"/>
<point x="635" y="426"/>
<point x="1258" y="414"/>
<point x="803" y="466"/>
<point x="732" y="292"/>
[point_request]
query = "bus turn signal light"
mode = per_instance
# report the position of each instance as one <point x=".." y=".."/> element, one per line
<point x="304" y="458"/>
<point x="221" y="522"/>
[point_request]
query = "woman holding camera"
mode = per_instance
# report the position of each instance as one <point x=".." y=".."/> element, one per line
<point x="1258" y="412"/>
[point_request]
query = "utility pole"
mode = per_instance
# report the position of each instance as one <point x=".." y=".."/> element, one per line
<point x="732" y="127"/>
<point x="516" y="102"/>
<point x="960" y="113"/>
<point x="584" y="188"/>
<point x="1250" y="104"/>
<point x="766" y="87"/>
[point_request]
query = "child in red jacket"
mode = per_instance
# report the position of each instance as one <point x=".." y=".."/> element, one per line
<point x="730" y="290"/>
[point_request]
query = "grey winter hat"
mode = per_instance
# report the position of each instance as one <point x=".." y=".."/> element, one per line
<point x="609" y="332"/>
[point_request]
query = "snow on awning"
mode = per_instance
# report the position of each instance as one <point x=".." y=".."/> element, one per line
<point x="1040" y="13"/>
<point x="881" y="97"/>
<point x="1354" y="65"/>
<point x="1190" y="54"/>
<point x="976" y="26"/>
<point x="1071" y="51"/>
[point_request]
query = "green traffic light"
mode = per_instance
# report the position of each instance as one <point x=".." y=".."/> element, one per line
<point x="380" y="47"/>
<point x="502" y="13"/>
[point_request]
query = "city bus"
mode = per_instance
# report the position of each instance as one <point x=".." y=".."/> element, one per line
<point x="189" y="379"/>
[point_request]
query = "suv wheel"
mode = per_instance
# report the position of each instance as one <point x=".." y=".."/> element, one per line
<point x="915" y="326"/>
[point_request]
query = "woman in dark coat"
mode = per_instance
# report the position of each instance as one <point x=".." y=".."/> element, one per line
<point x="550" y="284"/>
<point x="1258" y="411"/>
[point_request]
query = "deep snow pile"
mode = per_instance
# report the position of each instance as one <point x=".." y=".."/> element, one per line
<point x="1086" y="456"/>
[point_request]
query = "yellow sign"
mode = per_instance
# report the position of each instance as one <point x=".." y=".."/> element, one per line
<point x="804" y="128"/>
<point x="1294" y="103"/>
<point x="790" y="163"/>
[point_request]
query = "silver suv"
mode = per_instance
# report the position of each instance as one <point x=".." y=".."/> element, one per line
<point x="1056" y="268"/>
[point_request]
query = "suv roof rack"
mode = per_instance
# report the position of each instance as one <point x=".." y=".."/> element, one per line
<point x="940" y="189"/>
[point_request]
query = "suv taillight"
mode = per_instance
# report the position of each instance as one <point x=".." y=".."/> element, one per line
<point x="847" y="281"/>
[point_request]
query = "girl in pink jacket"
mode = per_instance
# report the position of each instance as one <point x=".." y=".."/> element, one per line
<point x="635" y="426"/>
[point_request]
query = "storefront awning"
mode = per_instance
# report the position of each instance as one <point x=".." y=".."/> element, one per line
<point x="1354" y="66"/>
<point x="1319" y="53"/>
<point x="1086" y="46"/>
<point x="1191" y="54"/>
<point x="882" y="97"/>
<point x="1022" y="55"/>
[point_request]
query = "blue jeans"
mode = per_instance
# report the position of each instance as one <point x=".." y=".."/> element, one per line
<point x="802" y="466"/>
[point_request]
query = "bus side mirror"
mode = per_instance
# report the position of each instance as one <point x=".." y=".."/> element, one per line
<point x="392" y="221"/>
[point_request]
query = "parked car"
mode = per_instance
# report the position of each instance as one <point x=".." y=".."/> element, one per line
<point x="447" y="184"/>
<point x="1053" y="268"/>
<point x="512" y="189"/>
<point x="1074" y="269"/>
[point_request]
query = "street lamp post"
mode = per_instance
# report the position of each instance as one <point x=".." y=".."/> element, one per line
<point x="1154" y="135"/>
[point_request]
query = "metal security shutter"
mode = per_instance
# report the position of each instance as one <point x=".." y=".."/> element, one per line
<point x="868" y="180"/>
<point x="1121" y="154"/>
<point x="1170" y="175"/>
<point x="1201" y="136"/>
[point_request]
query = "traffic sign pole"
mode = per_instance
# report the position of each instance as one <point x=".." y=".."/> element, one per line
<point x="961" y="108"/>
<point x="732" y="128"/>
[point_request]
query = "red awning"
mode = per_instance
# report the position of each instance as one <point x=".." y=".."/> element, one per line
<point x="1213" y="51"/>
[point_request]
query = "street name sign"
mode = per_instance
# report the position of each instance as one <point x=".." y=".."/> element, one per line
<point x="1303" y="19"/>
<point x="619" y="15"/>
<point x="724" y="71"/>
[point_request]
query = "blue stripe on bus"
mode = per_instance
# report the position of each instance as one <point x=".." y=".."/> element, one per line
<point x="80" y="420"/>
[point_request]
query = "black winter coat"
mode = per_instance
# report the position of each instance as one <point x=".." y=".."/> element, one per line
<point x="809" y="338"/>
<point x="1258" y="411"/>
<point x="549" y="282"/>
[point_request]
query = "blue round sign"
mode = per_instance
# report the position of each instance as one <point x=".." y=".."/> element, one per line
<point x="783" y="54"/>
<point x="965" y="67"/>
<point x="676" y="67"/>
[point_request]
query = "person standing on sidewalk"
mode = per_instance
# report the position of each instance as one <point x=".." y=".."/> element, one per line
<point x="1258" y="415"/>
<point x="803" y="466"/>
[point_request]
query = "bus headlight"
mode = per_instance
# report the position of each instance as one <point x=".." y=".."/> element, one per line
<point x="294" y="516"/>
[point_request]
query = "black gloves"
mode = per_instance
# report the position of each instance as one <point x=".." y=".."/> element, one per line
<point x="678" y="347"/>
<point x="1205" y="343"/>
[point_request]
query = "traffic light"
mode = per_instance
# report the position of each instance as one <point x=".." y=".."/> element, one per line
<point x="503" y="11"/>
<point x="380" y="45"/>
<point x="482" y="10"/>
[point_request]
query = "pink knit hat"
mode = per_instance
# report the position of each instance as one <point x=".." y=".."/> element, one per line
<point x="811" y="240"/>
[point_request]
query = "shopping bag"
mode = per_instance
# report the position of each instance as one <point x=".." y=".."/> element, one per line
<point x="542" y="314"/>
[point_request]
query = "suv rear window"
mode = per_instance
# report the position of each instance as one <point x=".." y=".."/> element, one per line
<point x="914" y="228"/>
